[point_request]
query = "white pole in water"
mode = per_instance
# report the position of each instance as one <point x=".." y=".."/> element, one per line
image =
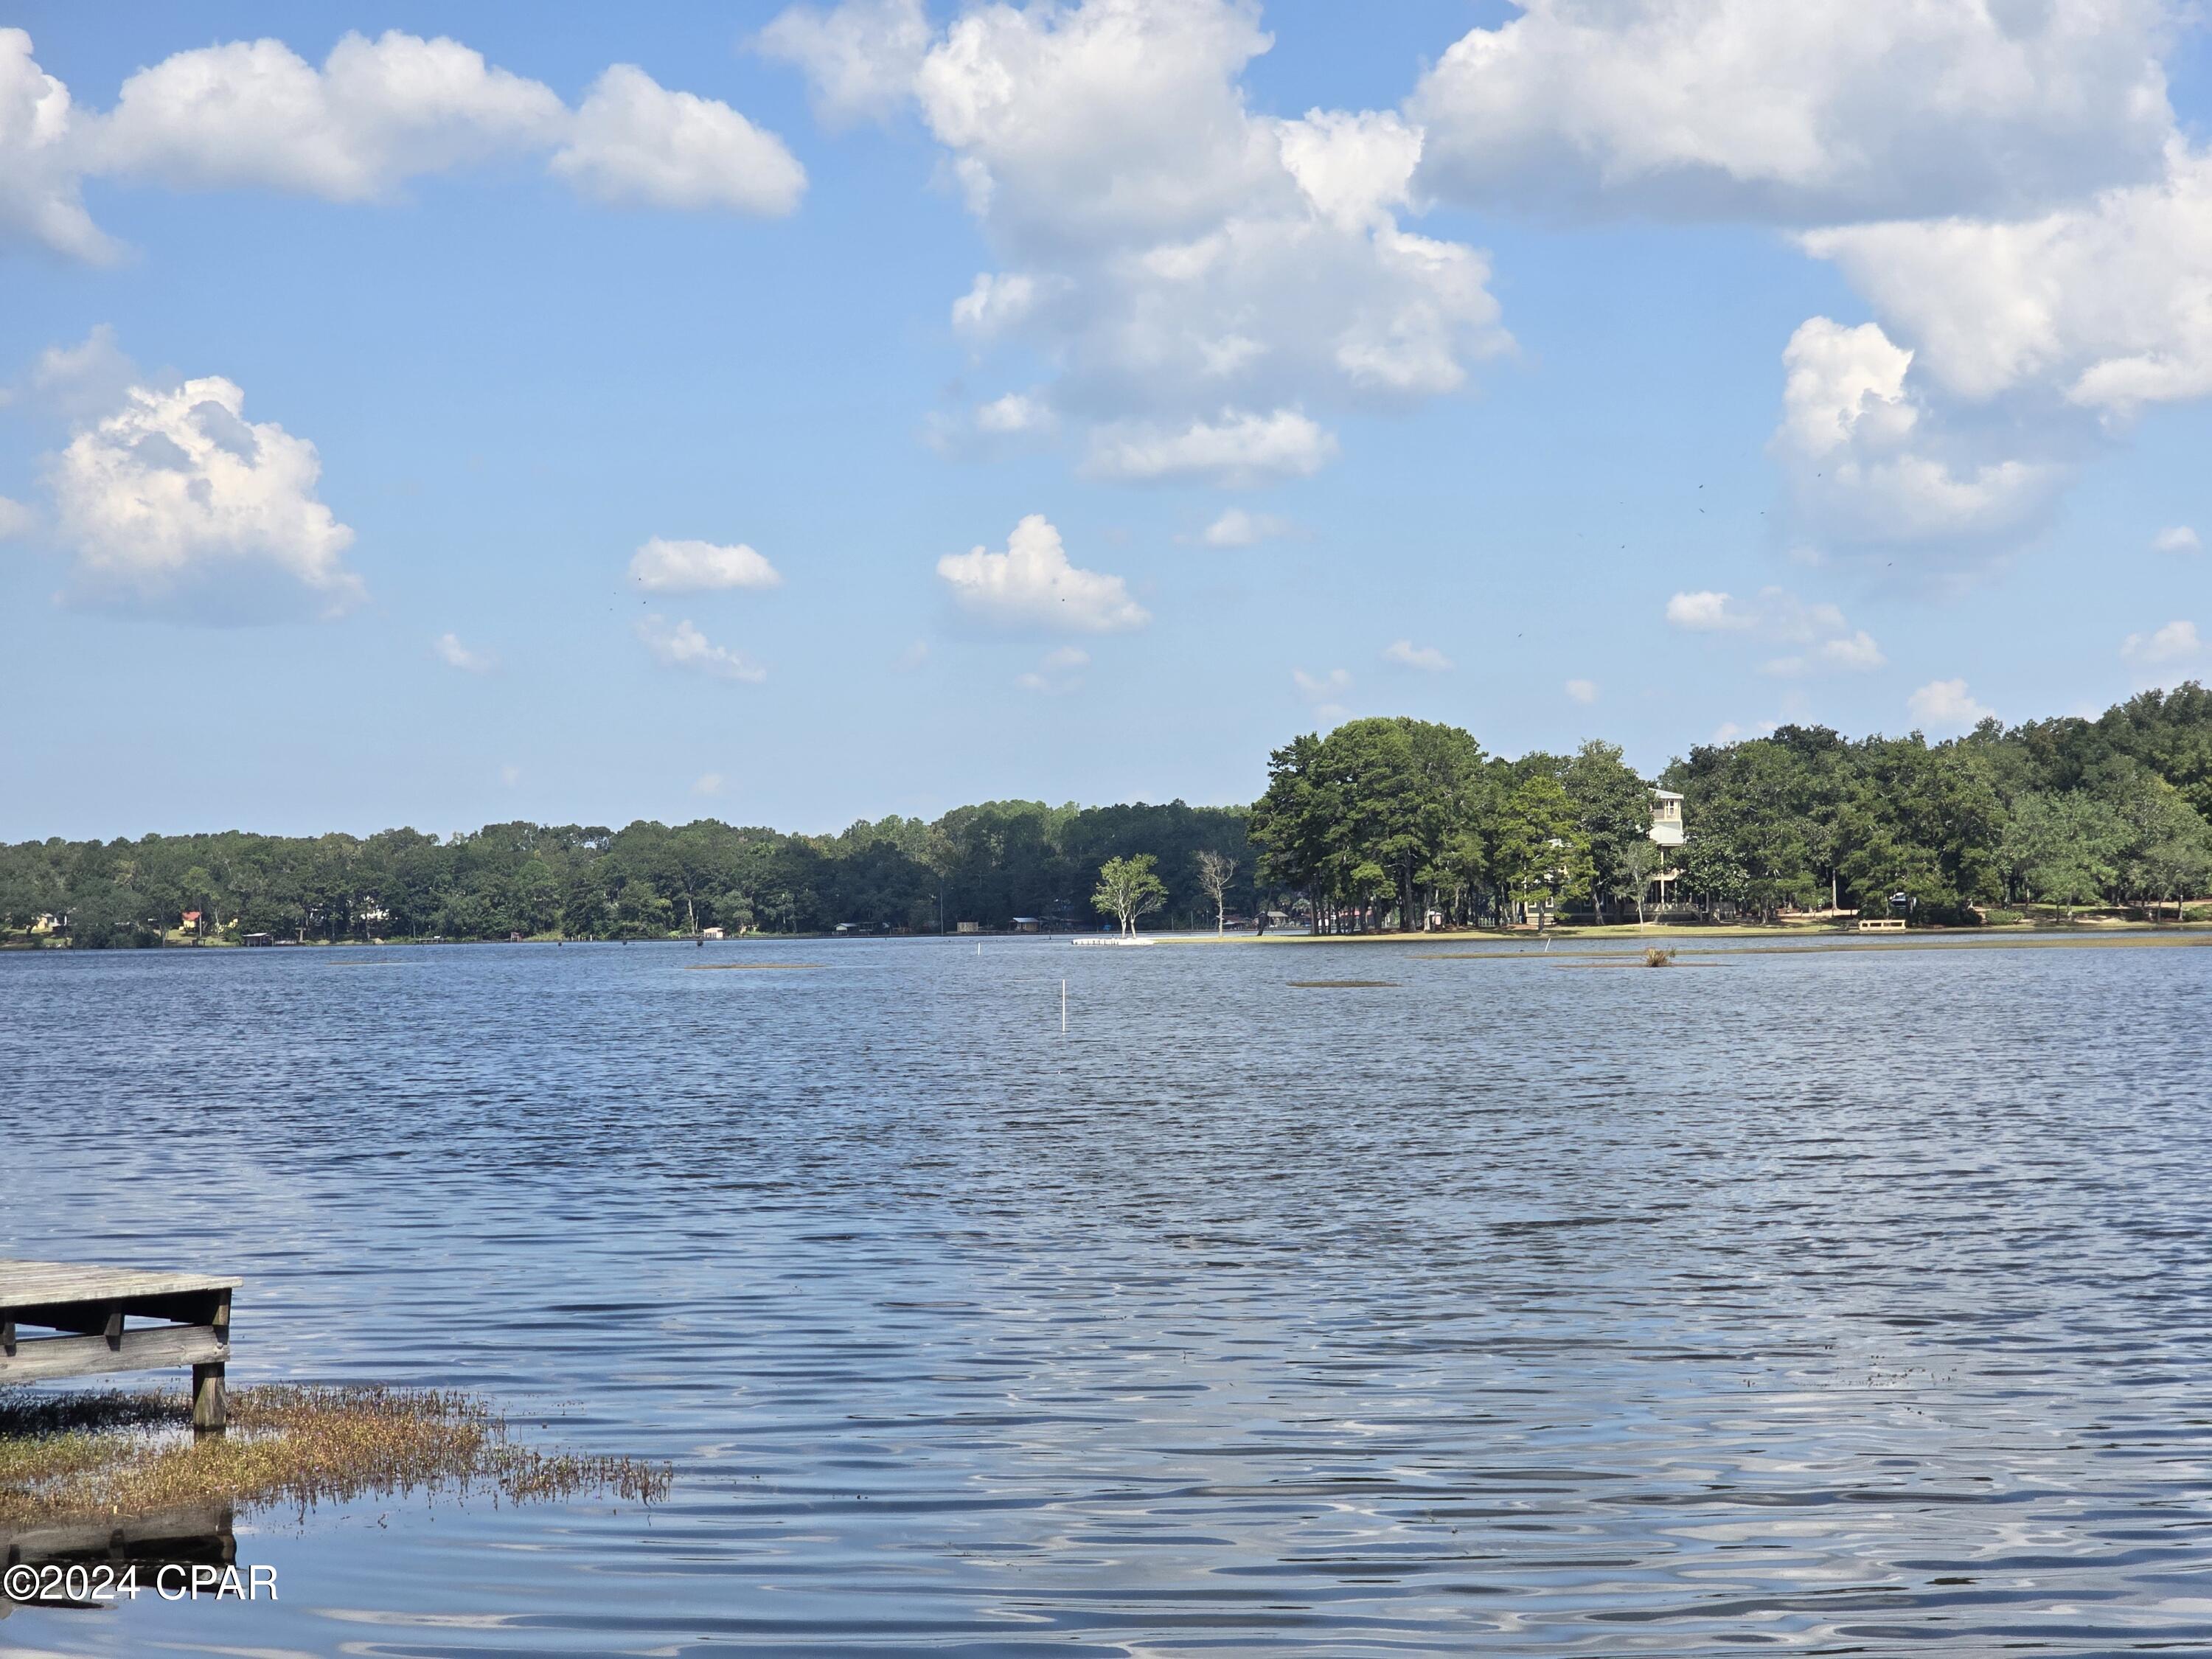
<point x="1063" y="1007"/>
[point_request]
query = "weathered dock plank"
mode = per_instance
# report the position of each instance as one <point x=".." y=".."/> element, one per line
<point x="90" y="1302"/>
<point x="27" y="1285"/>
<point x="153" y="1350"/>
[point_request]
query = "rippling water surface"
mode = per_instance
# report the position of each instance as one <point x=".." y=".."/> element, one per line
<point x="1816" y="1303"/>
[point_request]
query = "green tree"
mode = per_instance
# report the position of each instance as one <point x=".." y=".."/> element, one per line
<point x="1128" y="889"/>
<point x="1714" y="871"/>
<point x="2062" y="847"/>
<point x="535" y="898"/>
<point x="1613" y="812"/>
<point x="639" y="911"/>
<point x="1397" y="797"/>
<point x="1635" y="865"/>
<point x="2160" y="839"/>
<point x="1540" y="856"/>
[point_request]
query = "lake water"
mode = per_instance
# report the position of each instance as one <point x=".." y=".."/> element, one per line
<point x="1814" y="1303"/>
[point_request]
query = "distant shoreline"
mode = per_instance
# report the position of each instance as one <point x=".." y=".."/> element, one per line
<point x="1470" y="943"/>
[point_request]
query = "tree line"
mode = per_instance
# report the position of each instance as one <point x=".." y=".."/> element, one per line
<point x="987" y="864"/>
<point x="1379" y="821"/>
<point x="1399" y="817"/>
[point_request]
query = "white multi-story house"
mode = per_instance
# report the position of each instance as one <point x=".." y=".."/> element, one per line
<point x="1667" y="833"/>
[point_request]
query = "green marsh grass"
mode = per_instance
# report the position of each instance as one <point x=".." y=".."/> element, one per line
<point x="89" y="1456"/>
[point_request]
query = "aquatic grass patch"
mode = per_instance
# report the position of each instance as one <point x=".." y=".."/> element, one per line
<point x="1531" y="952"/>
<point x="88" y="1455"/>
<point x="748" y="967"/>
<point x="1656" y="957"/>
<point x="1571" y="963"/>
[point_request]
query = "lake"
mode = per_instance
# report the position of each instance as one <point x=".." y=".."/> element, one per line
<point x="1849" y="1302"/>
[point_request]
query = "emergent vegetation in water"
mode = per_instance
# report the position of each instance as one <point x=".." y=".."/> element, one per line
<point x="85" y="1456"/>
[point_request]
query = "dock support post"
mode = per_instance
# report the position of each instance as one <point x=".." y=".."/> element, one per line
<point x="210" y="1410"/>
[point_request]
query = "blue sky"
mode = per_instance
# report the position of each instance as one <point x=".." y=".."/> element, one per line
<point x="1560" y="372"/>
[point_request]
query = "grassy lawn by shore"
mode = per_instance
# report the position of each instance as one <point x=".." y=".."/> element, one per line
<point x="2087" y="931"/>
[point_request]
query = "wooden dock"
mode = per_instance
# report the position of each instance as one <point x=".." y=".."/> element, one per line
<point x="88" y="1306"/>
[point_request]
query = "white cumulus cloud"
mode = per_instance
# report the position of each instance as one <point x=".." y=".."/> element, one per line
<point x="2055" y="324"/>
<point x="1355" y="170"/>
<point x="1707" y="611"/>
<point x="16" y="520"/>
<point x="376" y="113"/>
<point x="1583" y="691"/>
<point x="454" y="654"/>
<point x="1776" y="615"/>
<point x="990" y="427"/>
<point x="1944" y="706"/>
<point x="1866" y="466"/>
<point x="1033" y="585"/>
<point x="2171" y="643"/>
<point x="40" y="202"/>
<point x="1170" y="252"/>
<point x="176" y="503"/>
<point x="994" y="302"/>
<point x="1856" y="651"/>
<point x="2101" y="303"/>
<point x="1407" y="654"/>
<point x="1238" y="527"/>
<point x="683" y="646"/>
<point x="634" y="141"/>
<point x="1016" y="413"/>
<point x="1803" y="111"/>
<point x="2176" y="539"/>
<point x="689" y="567"/>
<point x="1239" y="448"/>
<point x="861" y="58"/>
